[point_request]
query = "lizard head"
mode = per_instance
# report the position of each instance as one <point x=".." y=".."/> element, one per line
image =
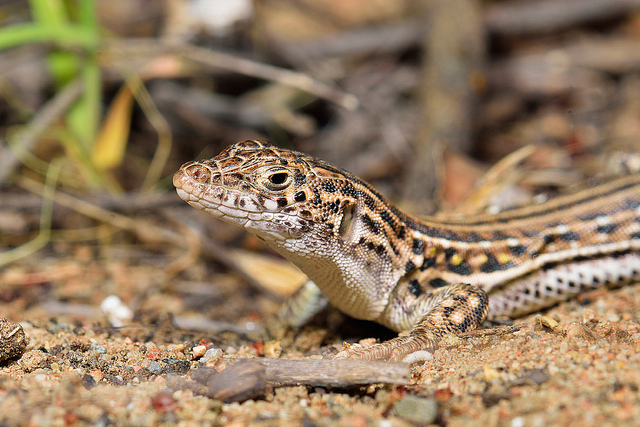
<point x="274" y="193"/>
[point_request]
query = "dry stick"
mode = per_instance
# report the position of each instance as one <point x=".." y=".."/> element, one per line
<point x="533" y="17"/>
<point x="144" y="230"/>
<point x="321" y="372"/>
<point x="335" y="373"/>
<point x="247" y="378"/>
<point x="48" y="114"/>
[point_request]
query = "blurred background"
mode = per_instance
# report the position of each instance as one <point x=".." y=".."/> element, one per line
<point x="102" y="101"/>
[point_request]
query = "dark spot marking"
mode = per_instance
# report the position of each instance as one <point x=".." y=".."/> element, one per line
<point x="449" y="252"/>
<point x="569" y="236"/>
<point x="290" y="209"/>
<point x="418" y="246"/>
<point x="490" y="265"/>
<point x="518" y="250"/>
<point x="635" y="235"/>
<point x="371" y="224"/>
<point x="317" y="200"/>
<point x="438" y="282"/>
<point x="282" y="202"/>
<point x="300" y="196"/>
<point x="380" y="249"/>
<point x="368" y="200"/>
<point x="441" y="233"/>
<point x="548" y="238"/>
<point x="401" y="232"/>
<point x="409" y="266"/>
<point x="242" y="203"/>
<point x="371" y="246"/>
<point x="428" y="263"/>
<point x="607" y="228"/>
<point x="414" y="288"/>
<point x="462" y="269"/>
<point x="386" y="217"/>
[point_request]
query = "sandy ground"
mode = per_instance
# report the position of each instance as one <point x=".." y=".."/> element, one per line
<point x="76" y="369"/>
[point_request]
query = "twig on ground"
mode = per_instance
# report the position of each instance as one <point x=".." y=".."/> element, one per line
<point x="335" y="373"/>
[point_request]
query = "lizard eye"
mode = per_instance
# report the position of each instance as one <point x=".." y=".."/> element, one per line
<point x="277" y="179"/>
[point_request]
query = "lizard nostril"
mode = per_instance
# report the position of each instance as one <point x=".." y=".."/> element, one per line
<point x="199" y="173"/>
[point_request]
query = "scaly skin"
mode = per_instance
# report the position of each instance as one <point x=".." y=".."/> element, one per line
<point x="428" y="276"/>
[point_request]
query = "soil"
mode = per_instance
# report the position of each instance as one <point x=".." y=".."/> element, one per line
<point x="578" y="364"/>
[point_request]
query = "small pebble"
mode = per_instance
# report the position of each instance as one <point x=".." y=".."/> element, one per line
<point x="154" y="367"/>
<point x="35" y="359"/>
<point x="199" y="351"/>
<point x="417" y="409"/>
<point x="116" y="310"/>
<point x="88" y="381"/>
<point x="211" y="354"/>
<point x="13" y="340"/>
<point x="272" y="349"/>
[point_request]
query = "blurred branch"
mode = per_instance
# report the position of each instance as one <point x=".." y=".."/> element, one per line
<point x="124" y="49"/>
<point x="381" y="39"/>
<point x="544" y="16"/>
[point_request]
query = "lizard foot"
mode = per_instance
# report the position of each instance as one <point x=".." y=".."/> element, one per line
<point x="456" y="309"/>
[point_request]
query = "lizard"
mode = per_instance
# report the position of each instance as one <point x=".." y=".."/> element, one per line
<point x="424" y="276"/>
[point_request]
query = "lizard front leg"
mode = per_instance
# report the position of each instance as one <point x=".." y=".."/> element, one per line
<point x="297" y="310"/>
<point x="452" y="309"/>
